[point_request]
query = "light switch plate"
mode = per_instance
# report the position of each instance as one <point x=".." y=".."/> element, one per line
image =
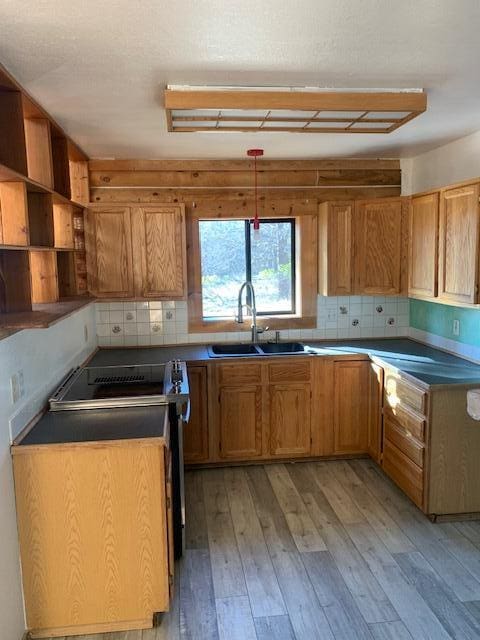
<point x="15" y="388"/>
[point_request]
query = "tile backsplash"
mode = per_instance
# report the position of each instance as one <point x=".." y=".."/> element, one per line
<point x="157" y="323"/>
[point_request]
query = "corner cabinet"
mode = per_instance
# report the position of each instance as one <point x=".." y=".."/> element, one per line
<point x="423" y="245"/>
<point x="381" y="246"/>
<point x="459" y="245"/>
<point x="363" y="247"/>
<point x="136" y="251"/>
<point x="351" y="399"/>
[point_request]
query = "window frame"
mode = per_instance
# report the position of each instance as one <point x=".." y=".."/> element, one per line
<point x="248" y="224"/>
<point x="306" y="228"/>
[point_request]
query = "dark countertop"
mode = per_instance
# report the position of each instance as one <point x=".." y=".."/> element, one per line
<point x="96" y="425"/>
<point x="423" y="363"/>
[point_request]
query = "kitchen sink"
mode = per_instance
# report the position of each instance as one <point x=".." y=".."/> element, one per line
<point x="280" y="348"/>
<point x="219" y="350"/>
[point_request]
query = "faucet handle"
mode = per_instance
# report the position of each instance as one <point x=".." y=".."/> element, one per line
<point x="262" y="329"/>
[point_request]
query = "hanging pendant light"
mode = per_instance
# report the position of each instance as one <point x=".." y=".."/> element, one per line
<point x="255" y="153"/>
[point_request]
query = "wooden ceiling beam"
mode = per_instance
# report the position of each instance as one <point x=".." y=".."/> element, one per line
<point x="333" y="164"/>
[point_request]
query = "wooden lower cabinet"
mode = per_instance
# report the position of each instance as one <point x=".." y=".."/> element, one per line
<point x="374" y="411"/>
<point x="94" y="525"/>
<point x="264" y="409"/>
<point x="241" y="421"/>
<point x="290" y="422"/>
<point x="195" y="437"/>
<point x="350" y="406"/>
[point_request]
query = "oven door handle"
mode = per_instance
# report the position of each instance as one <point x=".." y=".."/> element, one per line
<point x="186" y="416"/>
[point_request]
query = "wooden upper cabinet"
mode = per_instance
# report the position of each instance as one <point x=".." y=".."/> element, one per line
<point x="423" y="245"/>
<point x="160" y="251"/>
<point x="380" y="246"/>
<point x="335" y="248"/>
<point x="459" y="244"/>
<point x="109" y="251"/>
<point x="351" y="398"/>
<point x="290" y="419"/>
<point x="195" y="435"/>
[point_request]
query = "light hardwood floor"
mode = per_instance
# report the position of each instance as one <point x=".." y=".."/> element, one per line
<point x="307" y="551"/>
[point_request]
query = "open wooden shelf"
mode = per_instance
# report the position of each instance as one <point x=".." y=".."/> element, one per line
<point x="42" y="316"/>
<point x="15" y="283"/>
<point x="43" y="190"/>
<point x="34" y="149"/>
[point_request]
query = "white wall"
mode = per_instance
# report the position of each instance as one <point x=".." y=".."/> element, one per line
<point x="44" y="356"/>
<point x="459" y="160"/>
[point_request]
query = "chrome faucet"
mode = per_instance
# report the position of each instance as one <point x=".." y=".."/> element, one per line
<point x="251" y="307"/>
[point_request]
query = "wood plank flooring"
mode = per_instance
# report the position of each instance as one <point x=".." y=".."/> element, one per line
<point x="317" y="551"/>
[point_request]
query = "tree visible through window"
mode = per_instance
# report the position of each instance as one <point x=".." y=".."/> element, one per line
<point x="232" y="252"/>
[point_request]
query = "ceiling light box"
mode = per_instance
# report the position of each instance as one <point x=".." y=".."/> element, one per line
<point x="214" y="109"/>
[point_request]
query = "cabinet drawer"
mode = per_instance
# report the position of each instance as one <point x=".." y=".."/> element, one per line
<point x="403" y="441"/>
<point x="289" y="371"/>
<point x="400" y="392"/>
<point x="405" y="473"/>
<point x="239" y="373"/>
<point x="411" y="422"/>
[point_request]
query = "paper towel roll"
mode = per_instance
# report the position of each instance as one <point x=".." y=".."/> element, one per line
<point x="473" y="403"/>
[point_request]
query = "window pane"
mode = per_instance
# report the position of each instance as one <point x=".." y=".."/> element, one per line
<point x="222" y="253"/>
<point x="272" y="266"/>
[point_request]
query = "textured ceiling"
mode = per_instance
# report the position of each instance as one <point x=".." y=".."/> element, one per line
<point x="100" y="68"/>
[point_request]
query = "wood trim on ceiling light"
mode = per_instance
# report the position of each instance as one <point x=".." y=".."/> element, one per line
<point x="319" y="107"/>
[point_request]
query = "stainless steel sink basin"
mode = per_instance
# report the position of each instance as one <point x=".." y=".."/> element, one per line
<point x="219" y="350"/>
<point x="280" y="348"/>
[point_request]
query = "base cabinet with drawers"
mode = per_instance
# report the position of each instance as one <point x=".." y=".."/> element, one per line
<point x="404" y="435"/>
<point x="258" y="409"/>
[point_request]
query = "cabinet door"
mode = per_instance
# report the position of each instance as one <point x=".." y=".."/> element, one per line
<point x="159" y="251"/>
<point x="375" y="395"/>
<point x="109" y="252"/>
<point x="241" y="421"/>
<point x="459" y="237"/>
<point x="350" y="420"/>
<point x="424" y="246"/>
<point x="290" y="419"/>
<point x="335" y="248"/>
<point x="195" y="441"/>
<point x="380" y="246"/>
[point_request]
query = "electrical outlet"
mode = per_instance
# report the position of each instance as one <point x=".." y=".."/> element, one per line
<point x="456" y="327"/>
<point x="331" y="315"/>
<point x="85" y="332"/>
<point x="15" y="388"/>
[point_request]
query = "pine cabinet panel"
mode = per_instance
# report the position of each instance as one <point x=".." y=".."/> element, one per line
<point x="195" y="440"/>
<point x="350" y="418"/>
<point x="424" y="214"/>
<point x="335" y="250"/>
<point x="459" y="244"/>
<point x="109" y="252"/>
<point x="380" y="246"/>
<point x="94" y="536"/>
<point x="160" y="251"/>
<point x="290" y="419"/>
<point x="241" y="421"/>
